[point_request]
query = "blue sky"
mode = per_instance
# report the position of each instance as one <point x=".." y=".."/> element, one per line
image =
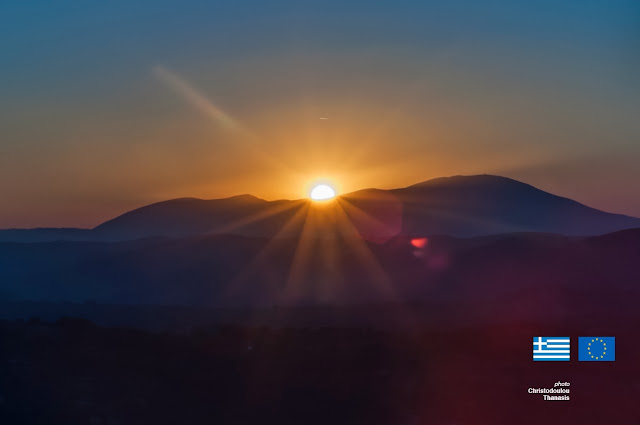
<point x="545" y="92"/>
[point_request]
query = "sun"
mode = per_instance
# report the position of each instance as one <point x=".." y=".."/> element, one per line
<point x="322" y="192"/>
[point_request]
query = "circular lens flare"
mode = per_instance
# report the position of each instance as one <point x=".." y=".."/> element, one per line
<point x="322" y="192"/>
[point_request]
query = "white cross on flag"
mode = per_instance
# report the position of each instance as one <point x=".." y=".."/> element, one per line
<point x="551" y="348"/>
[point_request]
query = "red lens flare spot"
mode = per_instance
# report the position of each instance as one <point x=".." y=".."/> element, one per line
<point x="419" y="242"/>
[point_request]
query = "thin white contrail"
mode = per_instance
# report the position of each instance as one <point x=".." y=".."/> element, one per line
<point x="199" y="101"/>
<point x="251" y="142"/>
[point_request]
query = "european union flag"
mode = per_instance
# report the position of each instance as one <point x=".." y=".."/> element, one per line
<point x="596" y="349"/>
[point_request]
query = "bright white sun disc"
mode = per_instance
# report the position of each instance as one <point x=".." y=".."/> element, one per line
<point x="322" y="192"/>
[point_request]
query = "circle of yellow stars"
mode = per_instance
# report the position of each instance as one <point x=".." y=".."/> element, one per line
<point x="604" y="348"/>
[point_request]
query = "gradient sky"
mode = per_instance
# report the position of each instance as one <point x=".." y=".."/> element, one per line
<point x="108" y="106"/>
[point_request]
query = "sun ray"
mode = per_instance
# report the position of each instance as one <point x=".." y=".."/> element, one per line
<point x="349" y="233"/>
<point x="332" y="287"/>
<point x="407" y="317"/>
<point x="370" y="227"/>
<point x="271" y="211"/>
<point x="301" y="257"/>
<point x="260" y="260"/>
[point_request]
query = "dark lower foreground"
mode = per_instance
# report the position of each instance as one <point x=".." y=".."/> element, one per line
<point x="73" y="372"/>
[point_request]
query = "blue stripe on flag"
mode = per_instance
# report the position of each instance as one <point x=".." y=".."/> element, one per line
<point x="551" y="348"/>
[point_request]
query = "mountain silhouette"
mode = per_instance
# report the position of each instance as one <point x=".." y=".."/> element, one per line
<point x="241" y="215"/>
<point x="485" y="204"/>
<point x="461" y="206"/>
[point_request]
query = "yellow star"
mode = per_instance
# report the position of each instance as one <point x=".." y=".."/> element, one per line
<point x="591" y="356"/>
<point x="592" y="340"/>
<point x="589" y="343"/>
<point x="601" y="356"/>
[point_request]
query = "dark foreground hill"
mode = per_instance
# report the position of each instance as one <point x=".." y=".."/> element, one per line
<point x="73" y="372"/>
<point x="411" y="331"/>
<point x="497" y="278"/>
<point x="461" y="206"/>
<point x="452" y="344"/>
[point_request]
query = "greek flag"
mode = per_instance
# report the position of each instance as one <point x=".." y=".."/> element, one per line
<point x="551" y="348"/>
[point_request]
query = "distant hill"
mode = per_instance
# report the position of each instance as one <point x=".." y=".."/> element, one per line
<point x="46" y="235"/>
<point x="240" y="215"/>
<point x="484" y="204"/>
<point x="491" y="273"/>
<point x="461" y="206"/>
